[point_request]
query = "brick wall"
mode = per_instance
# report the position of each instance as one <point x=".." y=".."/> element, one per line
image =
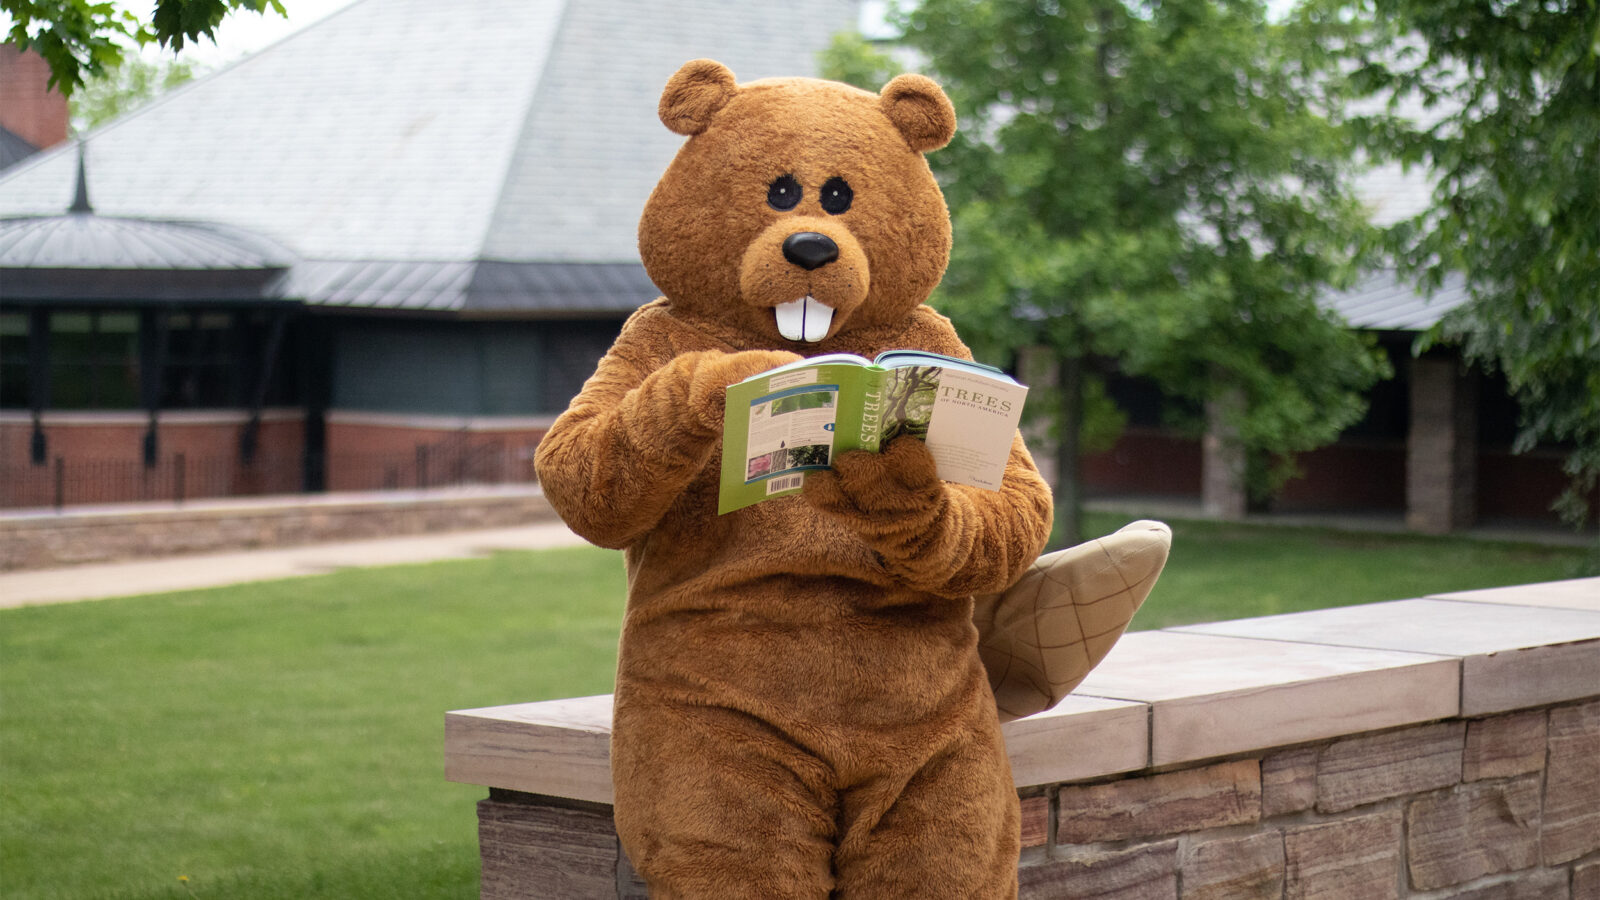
<point x="1499" y="808"/>
<point x="383" y="451"/>
<point x="98" y="457"/>
<point x="1144" y="462"/>
<point x="28" y="107"/>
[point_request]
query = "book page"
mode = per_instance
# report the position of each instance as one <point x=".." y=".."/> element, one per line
<point x="970" y="426"/>
<point x="789" y="432"/>
<point x="792" y="420"/>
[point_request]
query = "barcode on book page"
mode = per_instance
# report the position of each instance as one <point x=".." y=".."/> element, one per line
<point x="784" y="483"/>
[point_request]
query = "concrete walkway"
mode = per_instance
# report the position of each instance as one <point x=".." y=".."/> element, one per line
<point x="1184" y="509"/>
<point x="177" y="573"/>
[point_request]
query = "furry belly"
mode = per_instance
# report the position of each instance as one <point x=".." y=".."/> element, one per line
<point x="804" y="650"/>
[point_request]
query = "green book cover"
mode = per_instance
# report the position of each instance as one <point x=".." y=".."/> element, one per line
<point x="798" y="417"/>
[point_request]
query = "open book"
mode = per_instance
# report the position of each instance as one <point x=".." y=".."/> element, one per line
<point x="795" y="418"/>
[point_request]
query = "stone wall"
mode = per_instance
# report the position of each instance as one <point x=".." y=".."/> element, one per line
<point x="111" y="534"/>
<point x="1500" y="808"/>
<point x="1444" y="748"/>
<point x="1483" y="808"/>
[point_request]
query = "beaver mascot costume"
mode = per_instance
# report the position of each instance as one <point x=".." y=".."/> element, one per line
<point x="802" y="705"/>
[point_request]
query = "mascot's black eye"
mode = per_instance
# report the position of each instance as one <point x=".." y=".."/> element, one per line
<point x="836" y="196"/>
<point x="784" y="193"/>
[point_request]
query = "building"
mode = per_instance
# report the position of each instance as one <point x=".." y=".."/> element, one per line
<point x="1434" y="448"/>
<point x="32" y="116"/>
<point x="383" y="252"/>
<point x="386" y="251"/>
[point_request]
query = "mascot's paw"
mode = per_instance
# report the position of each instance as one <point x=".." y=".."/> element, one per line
<point x="710" y="373"/>
<point x="1042" y="636"/>
<point x="883" y="495"/>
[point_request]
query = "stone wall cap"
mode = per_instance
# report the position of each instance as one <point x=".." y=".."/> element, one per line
<point x="1576" y="593"/>
<point x="1179" y="695"/>
<point x="1216" y="695"/>
<point x="1512" y="655"/>
<point x="1447" y="627"/>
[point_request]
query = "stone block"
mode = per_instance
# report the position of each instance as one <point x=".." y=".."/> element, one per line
<point x="1247" y="868"/>
<point x="1352" y="859"/>
<point x="532" y="851"/>
<point x="1035" y="821"/>
<point x="1556" y="672"/>
<point x="1289" y="781"/>
<point x="1504" y="746"/>
<point x="1169" y="803"/>
<point x="1485" y="828"/>
<point x="1572" y="784"/>
<point x="1078" y="739"/>
<point x="1586" y="882"/>
<point x="1538" y="884"/>
<point x="1371" y="768"/>
<point x="630" y="884"/>
<point x="1145" y="872"/>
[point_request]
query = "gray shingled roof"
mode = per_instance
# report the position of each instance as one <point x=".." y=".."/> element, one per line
<point x="1382" y="301"/>
<point x="89" y="241"/>
<point x="13" y="148"/>
<point x="398" y="145"/>
<point x="489" y="156"/>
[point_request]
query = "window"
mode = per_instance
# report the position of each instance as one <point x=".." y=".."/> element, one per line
<point x="199" y="372"/>
<point x="14" y="360"/>
<point x="94" y="360"/>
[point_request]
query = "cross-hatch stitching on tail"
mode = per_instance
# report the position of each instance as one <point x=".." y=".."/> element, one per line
<point x="1082" y="604"/>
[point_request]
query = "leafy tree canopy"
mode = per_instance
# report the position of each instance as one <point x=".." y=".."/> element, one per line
<point x="82" y="39"/>
<point x="128" y="86"/>
<point x="1153" y="183"/>
<point x="1500" y="103"/>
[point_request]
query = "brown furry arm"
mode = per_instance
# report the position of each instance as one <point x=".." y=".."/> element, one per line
<point x="634" y="438"/>
<point x="946" y="539"/>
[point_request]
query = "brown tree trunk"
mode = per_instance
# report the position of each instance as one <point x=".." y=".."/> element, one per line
<point x="1069" y="471"/>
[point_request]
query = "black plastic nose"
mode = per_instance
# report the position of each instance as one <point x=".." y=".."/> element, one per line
<point x="810" y="250"/>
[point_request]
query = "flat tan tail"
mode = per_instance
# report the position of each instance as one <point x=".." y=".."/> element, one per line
<point x="1044" y="634"/>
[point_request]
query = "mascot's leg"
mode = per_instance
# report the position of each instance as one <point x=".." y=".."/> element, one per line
<point x="712" y="804"/>
<point x="951" y="830"/>
<point x="1043" y="635"/>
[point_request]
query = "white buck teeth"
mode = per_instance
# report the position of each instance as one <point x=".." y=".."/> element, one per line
<point x="805" y="319"/>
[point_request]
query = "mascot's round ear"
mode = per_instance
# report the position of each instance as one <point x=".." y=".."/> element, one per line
<point x="694" y="94"/>
<point x="920" y="110"/>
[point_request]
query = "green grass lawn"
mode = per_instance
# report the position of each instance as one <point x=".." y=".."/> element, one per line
<point x="283" y="740"/>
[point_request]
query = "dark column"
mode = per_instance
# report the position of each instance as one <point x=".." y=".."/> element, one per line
<point x="153" y="327"/>
<point x="38" y="381"/>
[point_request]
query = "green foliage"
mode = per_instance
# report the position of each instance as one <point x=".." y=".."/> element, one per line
<point x="1510" y="101"/>
<point x="83" y="39"/>
<point x="125" y="88"/>
<point x="1154" y="184"/>
<point x="853" y="59"/>
<point x="808" y="400"/>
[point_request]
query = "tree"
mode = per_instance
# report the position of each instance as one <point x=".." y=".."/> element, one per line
<point x="1151" y="183"/>
<point x="86" y="39"/>
<point x="124" y="88"/>
<point x="1510" y="131"/>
